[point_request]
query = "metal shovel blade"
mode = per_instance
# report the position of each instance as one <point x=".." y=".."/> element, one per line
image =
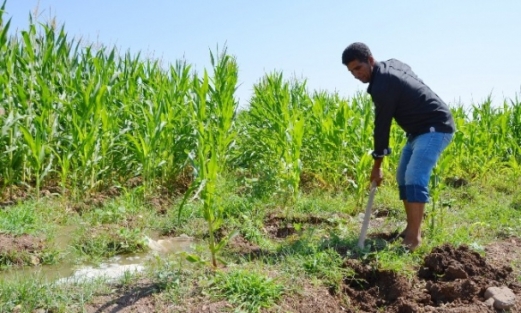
<point x="367" y="216"/>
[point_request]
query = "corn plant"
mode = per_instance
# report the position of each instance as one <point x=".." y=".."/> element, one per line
<point x="213" y="114"/>
<point x="145" y="140"/>
<point x="82" y="104"/>
<point x="338" y="140"/>
<point x="327" y="139"/>
<point x="178" y="137"/>
<point x="278" y="119"/>
<point x="12" y="156"/>
<point x="38" y="152"/>
<point x="485" y="139"/>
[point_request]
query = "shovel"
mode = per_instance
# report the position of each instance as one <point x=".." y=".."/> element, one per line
<point x="367" y="216"/>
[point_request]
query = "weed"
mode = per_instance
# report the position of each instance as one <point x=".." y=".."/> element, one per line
<point x="516" y="202"/>
<point x="19" y="220"/>
<point x="107" y="242"/>
<point x="248" y="290"/>
<point x="325" y="265"/>
<point x="30" y="294"/>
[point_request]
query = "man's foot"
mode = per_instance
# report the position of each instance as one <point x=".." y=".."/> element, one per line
<point x="411" y="242"/>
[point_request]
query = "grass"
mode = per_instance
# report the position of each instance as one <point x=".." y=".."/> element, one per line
<point x="105" y="242"/>
<point x="28" y="294"/>
<point x="248" y="290"/>
<point x="22" y="219"/>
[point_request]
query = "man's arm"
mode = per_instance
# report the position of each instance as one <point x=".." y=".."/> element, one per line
<point x="377" y="173"/>
<point x="383" y="120"/>
<point x="385" y="99"/>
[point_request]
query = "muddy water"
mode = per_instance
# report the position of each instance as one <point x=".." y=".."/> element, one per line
<point x="111" y="269"/>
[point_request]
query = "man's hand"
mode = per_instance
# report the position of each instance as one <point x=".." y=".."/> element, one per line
<point x="377" y="174"/>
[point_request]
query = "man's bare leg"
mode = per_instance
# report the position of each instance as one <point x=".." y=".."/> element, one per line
<point x="412" y="233"/>
<point x="406" y="230"/>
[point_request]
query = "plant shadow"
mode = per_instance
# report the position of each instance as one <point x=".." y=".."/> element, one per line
<point x="127" y="298"/>
<point x="303" y="243"/>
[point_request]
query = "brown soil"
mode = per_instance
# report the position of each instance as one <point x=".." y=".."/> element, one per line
<point x="20" y="250"/>
<point x="450" y="280"/>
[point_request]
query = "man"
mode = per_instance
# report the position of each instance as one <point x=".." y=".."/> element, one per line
<point x="398" y="93"/>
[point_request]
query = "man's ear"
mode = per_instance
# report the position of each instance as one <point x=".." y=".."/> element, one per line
<point x="371" y="60"/>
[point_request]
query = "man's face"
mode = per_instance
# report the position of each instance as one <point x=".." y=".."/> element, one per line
<point x="361" y="70"/>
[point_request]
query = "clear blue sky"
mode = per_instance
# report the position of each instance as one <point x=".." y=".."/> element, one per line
<point x="464" y="50"/>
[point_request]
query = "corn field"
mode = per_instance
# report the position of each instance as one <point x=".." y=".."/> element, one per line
<point x="82" y="119"/>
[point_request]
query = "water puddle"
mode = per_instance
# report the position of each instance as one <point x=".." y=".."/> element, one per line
<point x="110" y="270"/>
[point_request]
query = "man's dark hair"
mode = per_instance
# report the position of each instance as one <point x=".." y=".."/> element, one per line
<point x="356" y="51"/>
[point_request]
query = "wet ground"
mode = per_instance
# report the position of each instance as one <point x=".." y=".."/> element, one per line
<point x="449" y="280"/>
<point x="29" y="250"/>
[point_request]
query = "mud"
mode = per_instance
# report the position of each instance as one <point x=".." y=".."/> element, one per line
<point x="449" y="280"/>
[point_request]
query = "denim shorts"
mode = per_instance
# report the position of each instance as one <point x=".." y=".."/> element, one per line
<point x="418" y="158"/>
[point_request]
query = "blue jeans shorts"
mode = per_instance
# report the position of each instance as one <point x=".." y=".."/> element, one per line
<point x="418" y="158"/>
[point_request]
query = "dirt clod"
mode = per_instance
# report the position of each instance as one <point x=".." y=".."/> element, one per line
<point x="449" y="280"/>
